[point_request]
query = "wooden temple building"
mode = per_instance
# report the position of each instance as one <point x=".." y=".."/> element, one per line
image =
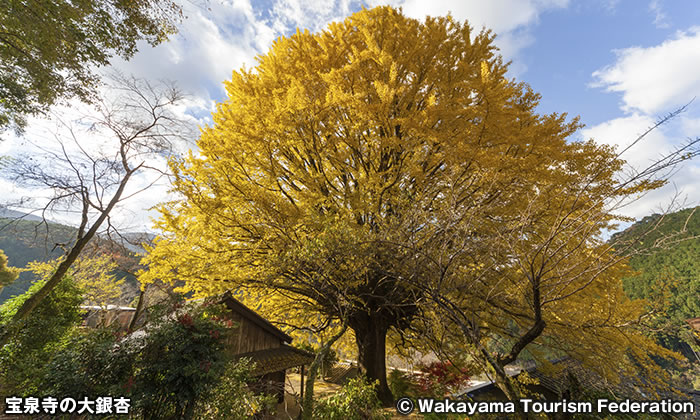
<point x="254" y="337"/>
<point x="266" y="345"/>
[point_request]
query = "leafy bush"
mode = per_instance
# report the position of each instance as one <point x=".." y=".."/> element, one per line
<point x="176" y="367"/>
<point x="180" y="358"/>
<point x="402" y="384"/>
<point x="357" y="400"/>
<point x="328" y="361"/>
<point x="232" y="398"/>
<point x="439" y="379"/>
<point x="91" y="362"/>
<point x="35" y="339"/>
<point x="167" y="369"/>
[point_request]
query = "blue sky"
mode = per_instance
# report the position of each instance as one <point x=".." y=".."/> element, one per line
<point x="572" y="43"/>
<point x="619" y="64"/>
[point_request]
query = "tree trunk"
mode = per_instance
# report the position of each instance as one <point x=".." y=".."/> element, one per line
<point x="33" y="301"/>
<point x="370" y="335"/>
<point x="505" y="384"/>
<point x="308" y="402"/>
<point x="139" y="309"/>
<point x="189" y="410"/>
<point x="503" y="381"/>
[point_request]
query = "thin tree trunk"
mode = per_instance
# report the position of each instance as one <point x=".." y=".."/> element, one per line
<point x="503" y="381"/>
<point x="33" y="301"/>
<point x="308" y="402"/>
<point x="139" y="309"/>
<point x="189" y="410"/>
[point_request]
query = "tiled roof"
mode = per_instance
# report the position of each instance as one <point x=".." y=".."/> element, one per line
<point x="277" y="359"/>
<point x="568" y="373"/>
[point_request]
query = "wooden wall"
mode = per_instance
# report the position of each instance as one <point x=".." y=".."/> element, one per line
<point x="249" y="337"/>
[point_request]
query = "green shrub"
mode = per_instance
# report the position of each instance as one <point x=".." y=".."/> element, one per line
<point x="167" y="369"/>
<point x="175" y="367"/>
<point x="357" y="400"/>
<point x="92" y="362"/>
<point x="328" y="361"/>
<point x="35" y="339"/>
<point x="401" y="384"/>
<point x="232" y="398"/>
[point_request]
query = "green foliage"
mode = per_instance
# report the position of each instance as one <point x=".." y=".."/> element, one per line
<point x="90" y="362"/>
<point x="401" y="384"/>
<point x="357" y="400"/>
<point x="167" y="369"/>
<point x="329" y="360"/>
<point x="174" y="365"/>
<point x="93" y="274"/>
<point x="35" y="340"/>
<point x="49" y="49"/>
<point x="232" y="398"/>
<point x="25" y="241"/>
<point x="180" y="358"/>
<point x="668" y="273"/>
<point x="657" y="231"/>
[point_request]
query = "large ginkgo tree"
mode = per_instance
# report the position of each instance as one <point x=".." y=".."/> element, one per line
<point x="367" y="174"/>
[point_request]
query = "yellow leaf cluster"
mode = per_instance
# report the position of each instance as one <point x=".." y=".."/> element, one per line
<point x="94" y="275"/>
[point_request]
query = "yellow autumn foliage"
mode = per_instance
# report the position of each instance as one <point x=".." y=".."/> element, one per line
<point x="94" y="275"/>
<point x="385" y="163"/>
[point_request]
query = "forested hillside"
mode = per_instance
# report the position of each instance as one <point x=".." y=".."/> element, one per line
<point x="667" y="258"/>
<point x="29" y="240"/>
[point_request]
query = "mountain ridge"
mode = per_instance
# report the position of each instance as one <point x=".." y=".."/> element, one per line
<point x="664" y="250"/>
<point x="25" y="239"/>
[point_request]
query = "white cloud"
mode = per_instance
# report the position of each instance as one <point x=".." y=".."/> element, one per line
<point x="68" y="126"/>
<point x="690" y="127"/>
<point x="211" y="44"/>
<point x="314" y="15"/>
<point x="499" y="15"/>
<point x="622" y="132"/>
<point x="661" y="20"/>
<point x="216" y="40"/>
<point x="655" y="79"/>
<point x="511" y="20"/>
<point x="611" y="5"/>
